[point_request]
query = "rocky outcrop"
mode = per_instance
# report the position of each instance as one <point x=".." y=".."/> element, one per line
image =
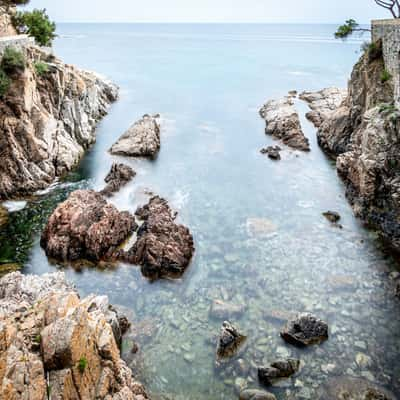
<point x="283" y="123"/>
<point x="47" y="122"/>
<point x="55" y="345"/>
<point x="142" y="139"/>
<point x="119" y="176"/>
<point x="323" y="103"/>
<point x="305" y="330"/>
<point x="85" y="226"/>
<point x="163" y="247"/>
<point x="362" y="134"/>
<point x="6" y="25"/>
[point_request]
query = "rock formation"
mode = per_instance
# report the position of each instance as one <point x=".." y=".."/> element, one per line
<point x="85" y="226"/>
<point x="163" y="247"/>
<point x="362" y="134"/>
<point x="47" y="122"/>
<point x="229" y="342"/>
<point x="277" y="370"/>
<point x="282" y="122"/>
<point x="55" y="345"/>
<point x="142" y="139"/>
<point x="6" y="26"/>
<point x="273" y="152"/>
<point x="119" y="176"/>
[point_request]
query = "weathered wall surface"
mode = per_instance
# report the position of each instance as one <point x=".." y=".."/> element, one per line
<point x="389" y="31"/>
<point x="17" y="41"/>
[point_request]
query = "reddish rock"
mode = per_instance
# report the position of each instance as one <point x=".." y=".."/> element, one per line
<point x="119" y="176"/>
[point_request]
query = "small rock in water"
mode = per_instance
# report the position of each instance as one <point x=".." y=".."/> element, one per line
<point x="363" y="360"/>
<point x="333" y="217"/>
<point x="278" y="369"/>
<point x="256" y="394"/>
<point x="223" y="310"/>
<point x="273" y="152"/>
<point x="229" y="342"/>
<point x="305" y="330"/>
<point x="119" y="175"/>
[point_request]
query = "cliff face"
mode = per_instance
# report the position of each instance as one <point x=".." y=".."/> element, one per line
<point x="363" y="133"/>
<point x="47" y="121"/>
<point x="6" y="26"/>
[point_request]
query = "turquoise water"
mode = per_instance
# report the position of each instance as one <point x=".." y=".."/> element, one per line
<point x="208" y="82"/>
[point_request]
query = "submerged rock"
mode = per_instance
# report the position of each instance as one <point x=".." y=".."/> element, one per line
<point x="119" y="176"/>
<point x="260" y="227"/>
<point x="273" y="152"/>
<point x="85" y="226"/>
<point x="229" y="342"/>
<point x="283" y="123"/>
<point x="278" y="369"/>
<point x="223" y="310"/>
<point x="323" y="103"/>
<point x="50" y="339"/>
<point x="163" y="247"/>
<point x="142" y="139"/>
<point x="305" y="330"/>
<point x="256" y="394"/>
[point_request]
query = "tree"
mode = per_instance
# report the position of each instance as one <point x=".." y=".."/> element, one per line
<point x="37" y="24"/>
<point x="392" y="5"/>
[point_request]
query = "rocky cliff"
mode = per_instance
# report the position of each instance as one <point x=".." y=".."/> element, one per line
<point x="363" y="136"/>
<point x="47" y="121"/>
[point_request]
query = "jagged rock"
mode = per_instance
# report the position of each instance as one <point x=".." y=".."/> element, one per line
<point x="119" y="176"/>
<point x="362" y="134"/>
<point x="163" y="248"/>
<point x="323" y="103"/>
<point x="229" y="342"/>
<point x="283" y="123"/>
<point x="348" y="388"/>
<point x="256" y="394"/>
<point x="305" y="330"/>
<point x="85" y="226"/>
<point x="48" y="122"/>
<point x="142" y="139"/>
<point x="273" y="152"/>
<point x="278" y="369"/>
<point x="47" y="332"/>
<point x="222" y="310"/>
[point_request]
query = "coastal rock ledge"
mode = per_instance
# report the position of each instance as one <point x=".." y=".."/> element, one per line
<point x="48" y="121"/>
<point x="55" y="345"/>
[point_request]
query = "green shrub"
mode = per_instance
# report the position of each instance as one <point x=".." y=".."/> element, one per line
<point x="385" y="76"/>
<point x="5" y="83"/>
<point x="373" y="50"/>
<point x="41" y="68"/>
<point x="13" y="60"/>
<point x="37" y="24"/>
<point x="82" y="364"/>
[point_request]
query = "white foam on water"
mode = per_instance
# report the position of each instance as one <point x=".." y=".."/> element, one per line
<point x="14" y="206"/>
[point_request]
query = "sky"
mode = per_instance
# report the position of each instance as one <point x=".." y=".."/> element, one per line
<point x="258" y="11"/>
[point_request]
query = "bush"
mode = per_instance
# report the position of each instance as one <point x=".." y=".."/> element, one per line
<point x="5" y="83"/>
<point x="41" y="68"/>
<point x="13" y="60"/>
<point x="37" y="24"/>
<point x="373" y="50"/>
<point x="82" y="364"/>
<point x="385" y="76"/>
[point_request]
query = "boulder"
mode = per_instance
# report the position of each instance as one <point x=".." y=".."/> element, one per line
<point x="305" y="330"/>
<point x="278" y="369"/>
<point x="229" y="342"/>
<point x="282" y="122"/>
<point x="256" y="394"/>
<point x="142" y="139"/>
<point x="163" y="247"/>
<point x="85" y="226"/>
<point x="119" y="176"/>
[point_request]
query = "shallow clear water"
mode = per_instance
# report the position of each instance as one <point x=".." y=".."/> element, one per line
<point x="207" y="82"/>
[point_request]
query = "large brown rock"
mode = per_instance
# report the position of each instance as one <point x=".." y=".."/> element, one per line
<point x="52" y="342"/>
<point x="48" y="122"/>
<point x="163" y="247"/>
<point x="282" y="122"/>
<point x="142" y="139"/>
<point x="85" y="226"/>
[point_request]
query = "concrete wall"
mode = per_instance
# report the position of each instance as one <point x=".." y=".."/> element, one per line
<point x="389" y="31"/>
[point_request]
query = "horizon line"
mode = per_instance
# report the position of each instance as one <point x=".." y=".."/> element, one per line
<point x="205" y="22"/>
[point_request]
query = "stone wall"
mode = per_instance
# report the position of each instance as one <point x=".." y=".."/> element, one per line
<point x="389" y="31"/>
<point x="18" y="41"/>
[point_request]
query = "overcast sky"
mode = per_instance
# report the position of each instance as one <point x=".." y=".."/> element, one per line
<point x="277" y="11"/>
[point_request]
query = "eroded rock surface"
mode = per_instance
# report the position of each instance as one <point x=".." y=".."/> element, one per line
<point x="283" y="123"/>
<point x="305" y="330"/>
<point x="53" y="342"/>
<point x="323" y="103"/>
<point x="47" y="122"/>
<point x="362" y="134"/>
<point x="163" y="247"/>
<point x="119" y="176"/>
<point x="85" y="226"/>
<point x="142" y="139"/>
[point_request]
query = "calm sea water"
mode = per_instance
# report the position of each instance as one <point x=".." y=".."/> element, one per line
<point x="208" y="82"/>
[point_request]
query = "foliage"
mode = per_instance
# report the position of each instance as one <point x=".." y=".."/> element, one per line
<point x="41" y="68"/>
<point x="346" y="29"/>
<point x="37" y="339"/>
<point x="13" y="60"/>
<point x="373" y="50"/>
<point x="387" y="108"/>
<point x="5" y="83"/>
<point x="82" y="364"/>
<point x="385" y="76"/>
<point x="37" y="24"/>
